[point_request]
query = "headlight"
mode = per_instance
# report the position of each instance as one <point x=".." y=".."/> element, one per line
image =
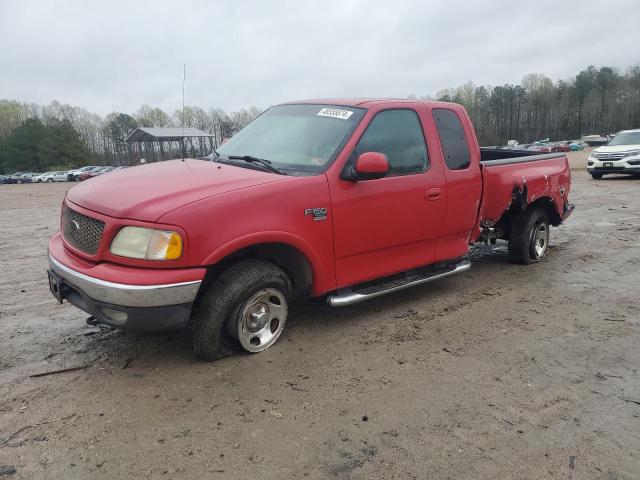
<point x="147" y="243"/>
<point x="632" y="154"/>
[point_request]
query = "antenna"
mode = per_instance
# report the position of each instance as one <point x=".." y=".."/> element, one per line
<point x="184" y="79"/>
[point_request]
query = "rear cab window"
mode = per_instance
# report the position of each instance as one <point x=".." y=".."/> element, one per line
<point x="455" y="147"/>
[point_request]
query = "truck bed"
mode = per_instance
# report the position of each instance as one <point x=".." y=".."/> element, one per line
<point x="523" y="176"/>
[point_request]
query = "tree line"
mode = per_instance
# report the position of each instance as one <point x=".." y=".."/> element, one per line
<point x="59" y="136"/>
<point x="597" y="100"/>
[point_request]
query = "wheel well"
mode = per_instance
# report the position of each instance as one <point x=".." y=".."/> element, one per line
<point x="547" y="204"/>
<point x="508" y="217"/>
<point x="288" y="258"/>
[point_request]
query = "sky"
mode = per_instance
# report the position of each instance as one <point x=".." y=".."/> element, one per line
<point x="117" y="55"/>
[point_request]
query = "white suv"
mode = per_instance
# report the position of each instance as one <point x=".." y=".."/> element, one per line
<point x="620" y="155"/>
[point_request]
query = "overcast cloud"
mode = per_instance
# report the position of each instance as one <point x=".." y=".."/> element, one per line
<point x="115" y="56"/>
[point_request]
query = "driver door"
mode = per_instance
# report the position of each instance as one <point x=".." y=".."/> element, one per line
<point x="390" y="224"/>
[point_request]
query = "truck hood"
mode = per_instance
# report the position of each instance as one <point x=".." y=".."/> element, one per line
<point x="147" y="192"/>
<point x="616" y="148"/>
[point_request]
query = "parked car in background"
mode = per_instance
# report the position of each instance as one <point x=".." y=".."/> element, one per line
<point x="13" y="177"/>
<point x="595" y="140"/>
<point x="51" y="177"/>
<point x="620" y="155"/>
<point x="540" y="148"/>
<point x="21" y="177"/>
<point x="560" y="147"/>
<point x="104" y="170"/>
<point x="91" y="173"/>
<point x="41" y="177"/>
<point x="3" y="179"/>
<point x="57" y="176"/>
<point x="74" y="175"/>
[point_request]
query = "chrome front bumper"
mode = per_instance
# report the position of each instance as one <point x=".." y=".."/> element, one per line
<point x="127" y="295"/>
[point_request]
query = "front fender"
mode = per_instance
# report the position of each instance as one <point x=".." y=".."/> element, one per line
<point x="322" y="277"/>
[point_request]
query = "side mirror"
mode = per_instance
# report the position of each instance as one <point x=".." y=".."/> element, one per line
<point x="371" y="165"/>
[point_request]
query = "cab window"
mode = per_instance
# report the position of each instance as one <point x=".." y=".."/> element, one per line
<point x="397" y="134"/>
<point x="455" y="147"/>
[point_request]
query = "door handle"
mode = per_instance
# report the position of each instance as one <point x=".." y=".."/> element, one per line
<point x="433" y="194"/>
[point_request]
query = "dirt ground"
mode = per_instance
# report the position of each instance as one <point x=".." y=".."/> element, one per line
<point x="578" y="160"/>
<point x="504" y="372"/>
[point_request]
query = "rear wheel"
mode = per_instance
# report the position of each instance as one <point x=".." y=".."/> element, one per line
<point x="596" y="176"/>
<point x="246" y="305"/>
<point x="529" y="237"/>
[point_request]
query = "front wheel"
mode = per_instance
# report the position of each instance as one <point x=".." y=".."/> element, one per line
<point x="529" y="237"/>
<point x="49" y="180"/>
<point x="247" y="305"/>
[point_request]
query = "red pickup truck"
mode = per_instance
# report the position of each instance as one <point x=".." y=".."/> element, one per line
<point x="348" y="199"/>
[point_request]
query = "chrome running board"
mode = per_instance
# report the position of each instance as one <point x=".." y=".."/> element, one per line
<point x="410" y="279"/>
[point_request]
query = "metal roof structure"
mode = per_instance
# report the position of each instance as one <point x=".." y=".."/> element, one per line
<point x="154" y="134"/>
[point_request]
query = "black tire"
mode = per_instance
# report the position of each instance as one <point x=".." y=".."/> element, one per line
<point x="596" y="176"/>
<point x="223" y="300"/>
<point x="522" y="241"/>
<point x="49" y="180"/>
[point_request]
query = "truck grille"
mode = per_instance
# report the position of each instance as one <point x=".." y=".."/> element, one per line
<point x="609" y="156"/>
<point x="81" y="231"/>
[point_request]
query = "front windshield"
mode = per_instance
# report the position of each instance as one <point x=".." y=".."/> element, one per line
<point x="303" y="138"/>
<point x="626" y="138"/>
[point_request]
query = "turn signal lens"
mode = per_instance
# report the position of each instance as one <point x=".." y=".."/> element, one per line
<point x="164" y="245"/>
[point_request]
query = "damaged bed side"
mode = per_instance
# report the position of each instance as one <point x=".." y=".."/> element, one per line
<point x="515" y="182"/>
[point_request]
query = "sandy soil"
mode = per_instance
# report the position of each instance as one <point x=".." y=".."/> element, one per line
<point x="507" y="371"/>
<point x="578" y="160"/>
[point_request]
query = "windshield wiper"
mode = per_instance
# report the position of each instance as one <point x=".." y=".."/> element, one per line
<point x="262" y="161"/>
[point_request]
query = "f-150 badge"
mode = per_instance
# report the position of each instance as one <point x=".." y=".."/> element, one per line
<point x="318" y="213"/>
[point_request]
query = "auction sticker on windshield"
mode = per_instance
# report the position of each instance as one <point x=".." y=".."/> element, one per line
<point x="335" y="113"/>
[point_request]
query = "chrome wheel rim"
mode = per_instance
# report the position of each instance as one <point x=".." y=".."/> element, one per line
<point x="540" y="239"/>
<point x="261" y="320"/>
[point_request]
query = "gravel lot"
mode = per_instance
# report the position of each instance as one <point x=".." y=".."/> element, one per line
<point x="507" y="371"/>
